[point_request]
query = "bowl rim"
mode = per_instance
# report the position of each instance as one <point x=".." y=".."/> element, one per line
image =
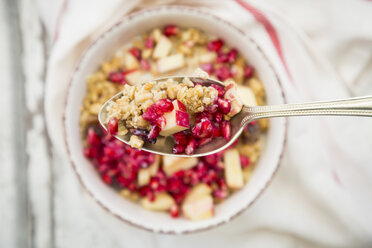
<point x="137" y="14"/>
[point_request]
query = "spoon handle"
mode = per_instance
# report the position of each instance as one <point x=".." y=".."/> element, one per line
<point x="359" y="106"/>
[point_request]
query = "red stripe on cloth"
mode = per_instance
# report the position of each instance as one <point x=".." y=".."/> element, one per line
<point x="261" y="18"/>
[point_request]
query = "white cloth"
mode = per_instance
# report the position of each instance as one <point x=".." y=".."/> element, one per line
<point x="322" y="194"/>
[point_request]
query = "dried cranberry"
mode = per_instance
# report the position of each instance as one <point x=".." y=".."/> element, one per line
<point x="226" y="129"/>
<point x="224" y="105"/>
<point x="143" y="133"/>
<point x="222" y="73"/>
<point x="112" y="126"/>
<point x="137" y="53"/>
<point x="248" y="71"/>
<point x="215" y="45"/>
<point x="208" y="68"/>
<point x="171" y="30"/>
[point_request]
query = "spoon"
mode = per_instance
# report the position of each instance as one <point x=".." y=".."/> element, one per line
<point x="359" y="106"/>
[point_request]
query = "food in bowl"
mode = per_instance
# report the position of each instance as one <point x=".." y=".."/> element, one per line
<point x="191" y="113"/>
<point x="191" y="186"/>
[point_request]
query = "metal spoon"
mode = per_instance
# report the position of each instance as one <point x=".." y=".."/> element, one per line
<point x="360" y="106"/>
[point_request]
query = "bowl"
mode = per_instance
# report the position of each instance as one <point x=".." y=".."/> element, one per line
<point x="106" y="45"/>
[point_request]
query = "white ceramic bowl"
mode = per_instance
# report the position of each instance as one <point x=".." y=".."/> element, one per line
<point x="102" y="49"/>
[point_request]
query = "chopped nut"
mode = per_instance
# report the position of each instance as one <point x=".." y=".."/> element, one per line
<point x="136" y="142"/>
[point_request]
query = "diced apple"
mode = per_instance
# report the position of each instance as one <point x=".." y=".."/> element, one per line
<point x="233" y="169"/>
<point x="208" y="57"/>
<point x="144" y="175"/>
<point x="198" y="191"/>
<point x="170" y="63"/>
<point x="162" y="48"/>
<point x="134" y="77"/>
<point x="176" y="121"/>
<point x="154" y="167"/>
<point x="179" y="106"/>
<point x="162" y="202"/>
<point x="173" y="164"/>
<point x="247" y="96"/>
<point x="199" y="209"/>
<point x="236" y="104"/>
<point x="130" y="62"/>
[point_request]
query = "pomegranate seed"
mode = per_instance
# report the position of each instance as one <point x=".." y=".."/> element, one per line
<point x="215" y="45"/>
<point x="207" y="129"/>
<point x="182" y="119"/>
<point x="107" y="179"/>
<point x="149" y="42"/>
<point x="92" y="138"/>
<point x="222" y="73"/>
<point x="232" y="55"/>
<point x="174" y="211"/>
<point x="164" y="105"/>
<point x="150" y="115"/>
<point x="191" y="146"/>
<point x="212" y="109"/>
<point x="220" y="89"/>
<point x="91" y="152"/>
<point x="180" y="138"/>
<point x="145" y="64"/>
<point x="226" y="129"/>
<point x="137" y="53"/>
<point x="151" y="196"/>
<point x="224" y="105"/>
<point x="154" y="132"/>
<point x="217" y="131"/>
<point x="220" y="194"/>
<point x="204" y="141"/>
<point x="171" y="30"/>
<point x="218" y="117"/>
<point x="208" y="68"/>
<point x="222" y="58"/>
<point x="116" y="77"/>
<point x="244" y="161"/>
<point x="178" y="149"/>
<point x="112" y="126"/>
<point x="248" y="71"/>
<point x="197" y="130"/>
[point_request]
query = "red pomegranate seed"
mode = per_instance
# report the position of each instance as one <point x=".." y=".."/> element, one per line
<point x="208" y="68"/>
<point x="154" y="132"/>
<point x="204" y="141"/>
<point x="207" y="129"/>
<point x="218" y="117"/>
<point x="92" y="138"/>
<point x="164" y="105"/>
<point x="220" y="194"/>
<point x="182" y="119"/>
<point x="116" y="77"/>
<point x="91" y="152"/>
<point x="170" y="30"/>
<point x="180" y="138"/>
<point x="150" y="115"/>
<point x="149" y="42"/>
<point x="222" y="58"/>
<point x="181" y="106"/>
<point x="220" y="89"/>
<point x="222" y="73"/>
<point x="215" y="45"/>
<point x="244" y="161"/>
<point x="106" y="178"/>
<point x="145" y="64"/>
<point x="212" y="109"/>
<point x="174" y="211"/>
<point x="137" y="53"/>
<point x="191" y="146"/>
<point x="197" y="130"/>
<point x="216" y="131"/>
<point x="224" y="105"/>
<point x="112" y="126"/>
<point x="232" y="55"/>
<point x="248" y="71"/>
<point x="178" y="149"/>
<point x="226" y="129"/>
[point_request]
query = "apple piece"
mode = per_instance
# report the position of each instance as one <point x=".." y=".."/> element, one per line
<point x="162" y="48"/>
<point x="247" y="96"/>
<point x="233" y="169"/>
<point x="198" y="191"/>
<point x="199" y="209"/>
<point x="130" y="62"/>
<point x="236" y="104"/>
<point x="134" y="77"/>
<point x="162" y="202"/>
<point x="144" y="175"/>
<point x="207" y="57"/>
<point x="176" y="120"/>
<point x="170" y="63"/>
<point x="173" y="164"/>
<point x="154" y="167"/>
